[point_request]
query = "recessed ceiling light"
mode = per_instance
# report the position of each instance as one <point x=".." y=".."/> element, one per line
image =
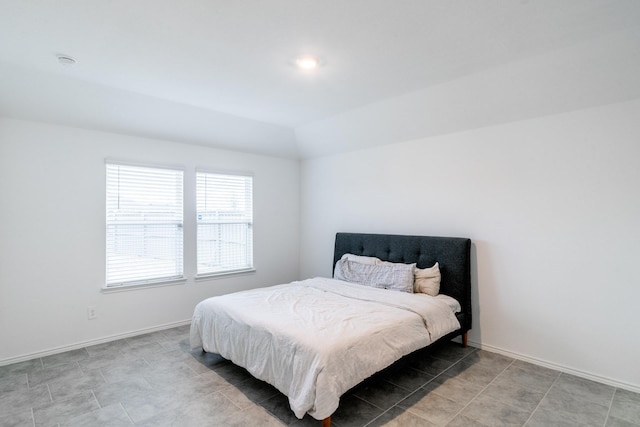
<point x="307" y="62"/>
<point x="66" y="60"/>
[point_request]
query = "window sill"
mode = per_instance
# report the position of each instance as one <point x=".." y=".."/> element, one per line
<point x="134" y="287"/>
<point x="201" y="277"/>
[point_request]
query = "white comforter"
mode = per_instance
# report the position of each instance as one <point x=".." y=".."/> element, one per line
<point x="315" y="339"/>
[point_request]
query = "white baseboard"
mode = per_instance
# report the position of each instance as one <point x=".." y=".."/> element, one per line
<point x="103" y="340"/>
<point x="555" y="366"/>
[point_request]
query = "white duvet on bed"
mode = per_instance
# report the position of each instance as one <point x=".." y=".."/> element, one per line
<point x="315" y="339"/>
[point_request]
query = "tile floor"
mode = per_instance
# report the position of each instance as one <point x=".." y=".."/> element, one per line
<point x="155" y="380"/>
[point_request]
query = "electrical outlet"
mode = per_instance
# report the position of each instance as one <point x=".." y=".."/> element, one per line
<point x="91" y="312"/>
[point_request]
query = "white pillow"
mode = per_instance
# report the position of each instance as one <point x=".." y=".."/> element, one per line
<point x="369" y="260"/>
<point x="427" y="280"/>
<point x="397" y="277"/>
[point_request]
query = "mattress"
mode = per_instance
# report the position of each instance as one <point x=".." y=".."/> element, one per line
<point x="315" y="339"/>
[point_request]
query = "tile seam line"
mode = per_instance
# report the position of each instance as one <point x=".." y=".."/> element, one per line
<point x="613" y="396"/>
<point x="541" y="400"/>
<point x="482" y="391"/>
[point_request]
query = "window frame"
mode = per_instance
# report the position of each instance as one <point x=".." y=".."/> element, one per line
<point x="235" y="271"/>
<point x="179" y="278"/>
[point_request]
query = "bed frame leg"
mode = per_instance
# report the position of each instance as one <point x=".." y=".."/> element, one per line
<point x="464" y="339"/>
<point x="326" y="422"/>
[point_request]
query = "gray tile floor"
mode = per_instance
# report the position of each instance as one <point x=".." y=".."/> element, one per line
<point x="155" y="380"/>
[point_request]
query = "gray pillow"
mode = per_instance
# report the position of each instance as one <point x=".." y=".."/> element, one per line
<point x="397" y="277"/>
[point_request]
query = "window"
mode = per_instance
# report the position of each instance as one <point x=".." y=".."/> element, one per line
<point x="144" y="225"/>
<point x="224" y="211"/>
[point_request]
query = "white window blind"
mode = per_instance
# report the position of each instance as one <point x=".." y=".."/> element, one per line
<point x="144" y="224"/>
<point x="225" y="222"/>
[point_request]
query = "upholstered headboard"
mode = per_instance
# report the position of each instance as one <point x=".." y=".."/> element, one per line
<point x="452" y="253"/>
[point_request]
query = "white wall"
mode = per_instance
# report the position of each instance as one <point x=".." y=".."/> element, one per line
<point x="52" y="192"/>
<point x="552" y="206"/>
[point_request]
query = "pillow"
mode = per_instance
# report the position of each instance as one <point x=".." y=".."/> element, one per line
<point x="361" y="259"/>
<point x="397" y="277"/>
<point x="427" y="280"/>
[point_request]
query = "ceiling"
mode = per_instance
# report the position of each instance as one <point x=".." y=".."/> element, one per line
<point x="220" y="73"/>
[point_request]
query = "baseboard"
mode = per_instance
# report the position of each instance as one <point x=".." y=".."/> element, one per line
<point x="557" y="367"/>
<point x="103" y="340"/>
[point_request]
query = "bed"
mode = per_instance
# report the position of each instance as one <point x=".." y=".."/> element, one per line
<point x="317" y="338"/>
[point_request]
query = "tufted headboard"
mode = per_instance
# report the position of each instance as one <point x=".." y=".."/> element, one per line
<point x="452" y="253"/>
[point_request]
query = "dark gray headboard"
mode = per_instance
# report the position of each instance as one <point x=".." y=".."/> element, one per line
<point x="452" y="253"/>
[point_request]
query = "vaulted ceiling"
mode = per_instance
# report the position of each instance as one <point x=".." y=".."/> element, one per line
<point x="221" y="73"/>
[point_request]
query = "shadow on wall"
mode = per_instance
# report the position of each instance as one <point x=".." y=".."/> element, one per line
<point x="475" y="332"/>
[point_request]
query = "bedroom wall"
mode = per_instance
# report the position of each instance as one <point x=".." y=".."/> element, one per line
<point x="52" y="236"/>
<point x="551" y="205"/>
